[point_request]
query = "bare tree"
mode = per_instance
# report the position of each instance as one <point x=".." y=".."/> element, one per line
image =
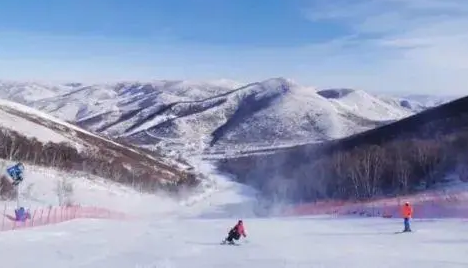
<point x="64" y="190"/>
<point x="400" y="166"/>
<point x="428" y="156"/>
<point x="14" y="148"/>
<point x="317" y="178"/>
<point x="462" y="167"/>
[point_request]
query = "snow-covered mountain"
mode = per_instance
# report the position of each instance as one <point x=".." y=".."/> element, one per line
<point x="429" y="100"/>
<point x="32" y="136"/>
<point x="27" y="92"/>
<point x="218" y="115"/>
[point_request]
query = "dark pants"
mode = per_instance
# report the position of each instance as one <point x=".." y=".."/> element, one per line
<point x="407" y="225"/>
<point x="233" y="235"/>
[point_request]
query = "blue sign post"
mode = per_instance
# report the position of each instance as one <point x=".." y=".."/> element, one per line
<point x="16" y="173"/>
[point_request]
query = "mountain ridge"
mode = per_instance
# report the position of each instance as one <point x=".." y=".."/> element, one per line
<point x="215" y="116"/>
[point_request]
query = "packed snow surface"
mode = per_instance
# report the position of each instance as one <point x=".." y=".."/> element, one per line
<point x="287" y="242"/>
<point x="188" y="234"/>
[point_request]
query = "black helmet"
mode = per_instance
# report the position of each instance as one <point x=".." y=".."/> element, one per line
<point x="240" y="221"/>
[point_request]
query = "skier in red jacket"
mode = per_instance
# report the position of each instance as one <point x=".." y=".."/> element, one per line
<point x="235" y="233"/>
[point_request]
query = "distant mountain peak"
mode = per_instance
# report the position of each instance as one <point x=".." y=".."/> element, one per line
<point x="335" y="93"/>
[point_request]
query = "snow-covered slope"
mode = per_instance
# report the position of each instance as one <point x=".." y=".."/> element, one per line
<point x="47" y="186"/>
<point x="113" y="100"/>
<point x="27" y="92"/>
<point x="189" y="235"/>
<point x="33" y="130"/>
<point x="219" y="115"/>
<point x="290" y="242"/>
<point x="43" y="127"/>
<point x="427" y="100"/>
<point x="30" y="125"/>
<point x="417" y="103"/>
<point x="366" y="105"/>
<point x="36" y="124"/>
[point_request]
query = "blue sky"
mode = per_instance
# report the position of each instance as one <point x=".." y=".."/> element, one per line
<point x="377" y="45"/>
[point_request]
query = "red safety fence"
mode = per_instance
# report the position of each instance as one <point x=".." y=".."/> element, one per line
<point x="52" y="215"/>
<point x="427" y="205"/>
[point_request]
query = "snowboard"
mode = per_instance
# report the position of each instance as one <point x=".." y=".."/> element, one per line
<point x="229" y="244"/>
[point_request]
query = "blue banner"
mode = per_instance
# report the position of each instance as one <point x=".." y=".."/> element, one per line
<point x="16" y="173"/>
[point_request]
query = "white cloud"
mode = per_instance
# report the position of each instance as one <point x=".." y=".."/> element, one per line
<point x="420" y="45"/>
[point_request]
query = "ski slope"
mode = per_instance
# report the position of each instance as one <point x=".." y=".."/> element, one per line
<point x="288" y="242"/>
<point x="188" y="233"/>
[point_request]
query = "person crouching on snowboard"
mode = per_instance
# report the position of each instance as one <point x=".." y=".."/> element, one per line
<point x="236" y="232"/>
<point x="407" y="212"/>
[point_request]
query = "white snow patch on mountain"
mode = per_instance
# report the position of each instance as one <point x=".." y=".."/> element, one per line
<point x="371" y="107"/>
<point x="31" y="129"/>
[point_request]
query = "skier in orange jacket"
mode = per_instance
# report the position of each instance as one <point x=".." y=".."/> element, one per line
<point x="407" y="212"/>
